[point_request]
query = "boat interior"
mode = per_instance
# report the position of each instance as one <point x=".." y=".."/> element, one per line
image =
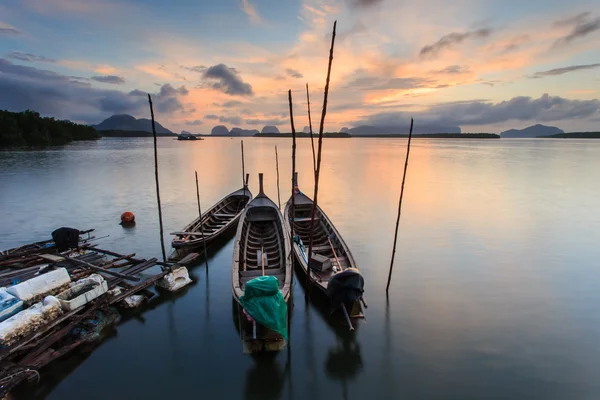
<point x="262" y="243"/>
<point x="323" y="235"/>
<point x="220" y="215"/>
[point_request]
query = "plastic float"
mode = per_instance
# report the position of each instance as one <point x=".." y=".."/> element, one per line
<point x="9" y="305"/>
<point x="132" y="301"/>
<point x="82" y="292"/>
<point x="29" y="320"/>
<point x="127" y="218"/>
<point x="37" y="288"/>
<point x="175" y="280"/>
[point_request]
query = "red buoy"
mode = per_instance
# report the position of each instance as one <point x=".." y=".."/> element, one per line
<point x="127" y="217"/>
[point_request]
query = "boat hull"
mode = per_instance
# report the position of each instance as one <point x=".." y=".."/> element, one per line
<point x="215" y="222"/>
<point x="341" y="258"/>
<point x="260" y="248"/>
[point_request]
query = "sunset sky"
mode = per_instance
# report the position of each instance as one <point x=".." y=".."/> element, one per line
<point x="485" y="66"/>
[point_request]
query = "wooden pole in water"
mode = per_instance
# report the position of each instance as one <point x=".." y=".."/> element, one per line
<point x="243" y="168"/>
<point x="277" y="168"/>
<point x="162" y="239"/>
<point x="293" y="210"/>
<point x="387" y="288"/>
<point x="318" y="170"/>
<point x="200" y="219"/>
<point x="312" y="141"/>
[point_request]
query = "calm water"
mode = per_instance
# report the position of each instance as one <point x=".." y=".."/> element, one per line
<point x="495" y="292"/>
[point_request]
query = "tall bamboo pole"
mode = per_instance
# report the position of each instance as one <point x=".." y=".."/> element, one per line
<point x="312" y="141"/>
<point x="201" y="224"/>
<point x="160" y="221"/>
<point x="387" y="288"/>
<point x="243" y="168"/>
<point x="318" y="170"/>
<point x="277" y="168"/>
<point x="293" y="210"/>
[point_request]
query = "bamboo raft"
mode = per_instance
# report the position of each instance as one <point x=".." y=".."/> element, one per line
<point x="57" y="337"/>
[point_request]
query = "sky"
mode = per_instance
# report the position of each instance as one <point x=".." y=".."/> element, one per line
<point x="484" y="66"/>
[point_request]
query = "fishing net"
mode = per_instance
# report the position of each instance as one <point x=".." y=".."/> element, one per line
<point x="264" y="302"/>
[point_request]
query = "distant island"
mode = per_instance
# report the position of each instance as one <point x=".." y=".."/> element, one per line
<point x="433" y="136"/>
<point x="574" y="135"/>
<point x="305" y="135"/>
<point x="28" y="128"/>
<point x="532" y="132"/>
<point x="125" y="122"/>
<point x="374" y="131"/>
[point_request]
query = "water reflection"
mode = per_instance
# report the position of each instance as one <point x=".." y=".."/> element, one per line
<point x="265" y="379"/>
<point x="344" y="362"/>
<point x="495" y="293"/>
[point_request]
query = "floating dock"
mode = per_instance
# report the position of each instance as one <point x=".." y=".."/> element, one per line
<point x="68" y="297"/>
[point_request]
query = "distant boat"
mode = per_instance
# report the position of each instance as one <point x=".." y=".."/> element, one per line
<point x="214" y="222"/>
<point x="333" y="269"/>
<point x="261" y="252"/>
<point x="188" y="136"/>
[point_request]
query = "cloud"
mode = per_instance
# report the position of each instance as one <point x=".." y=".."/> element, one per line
<point x="564" y="70"/>
<point x="452" y="69"/>
<point x="229" y="82"/>
<point x="231" y="103"/>
<point x="231" y="120"/>
<point x="378" y="82"/>
<point x="581" y="25"/>
<point x="195" y="68"/>
<point x="50" y="93"/>
<point x="545" y="108"/>
<point x="194" y="122"/>
<point x="169" y="91"/>
<point x="9" y="30"/>
<point x="112" y="79"/>
<point x="515" y="43"/>
<point x="211" y="116"/>
<point x="453" y="39"/>
<point x="293" y="73"/>
<point x="364" y="3"/>
<point x="251" y="12"/>
<point x="28" y="57"/>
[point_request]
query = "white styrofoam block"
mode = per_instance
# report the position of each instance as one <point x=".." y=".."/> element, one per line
<point x="133" y="301"/>
<point x="9" y="305"/>
<point x="29" y="320"/>
<point x="41" y="285"/>
<point x="84" y="291"/>
<point x="175" y="280"/>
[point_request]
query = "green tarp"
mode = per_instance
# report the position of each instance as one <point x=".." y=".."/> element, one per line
<point x="264" y="302"/>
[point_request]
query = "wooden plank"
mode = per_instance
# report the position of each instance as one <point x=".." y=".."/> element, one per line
<point x="102" y="270"/>
<point x="51" y="257"/>
<point x="138" y="287"/>
<point x="58" y="335"/>
<point x="188" y="259"/>
<point x="34" y="335"/>
<point x="305" y="219"/>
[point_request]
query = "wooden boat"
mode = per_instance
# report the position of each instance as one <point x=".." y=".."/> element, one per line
<point x="188" y="136"/>
<point x="261" y="248"/>
<point x="331" y="260"/>
<point x="215" y="221"/>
